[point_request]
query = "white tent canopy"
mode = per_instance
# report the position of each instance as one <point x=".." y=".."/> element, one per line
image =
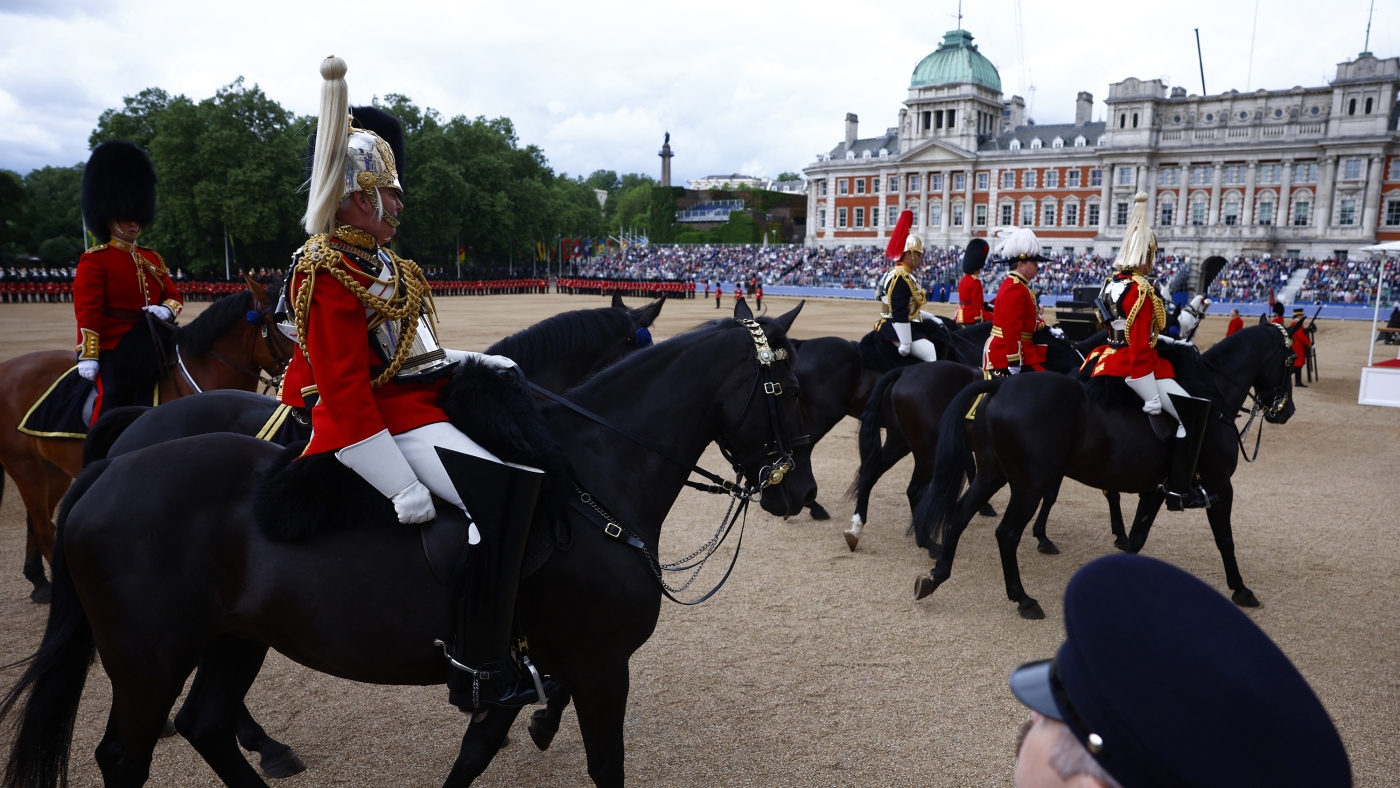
<point x="1388" y="246"/>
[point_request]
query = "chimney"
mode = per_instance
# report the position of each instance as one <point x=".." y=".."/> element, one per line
<point x="1016" y="113"/>
<point x="1083" y="108"/>
<point x="851" y="121"/>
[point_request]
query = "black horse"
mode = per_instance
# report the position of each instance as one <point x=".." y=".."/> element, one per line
<point x="556" y="353"/>
<point x="1033" y="430"/>
<point x="182" y="574"/>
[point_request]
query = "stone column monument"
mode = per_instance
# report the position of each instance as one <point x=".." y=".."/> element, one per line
<point x="666" y="155"/>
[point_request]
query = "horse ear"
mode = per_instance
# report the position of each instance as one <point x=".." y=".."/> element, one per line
<point x="786" y="319"/>
<point x="643" y="316"/>
<point x="741" y="310"/>
<point x="617" y="301"/>
<point x="259" y="292"/>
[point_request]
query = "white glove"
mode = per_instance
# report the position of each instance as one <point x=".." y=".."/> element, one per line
<point x="88" y="369"/>
<point x="493" y="362"/>
<point x="906" y="337"/>
<point x="378" y="460"/>
<point x="161" y="311"/>
<point x="1013" y="368"/>
<point x="1146" y="387"/>
<point x="1057" y="332"/>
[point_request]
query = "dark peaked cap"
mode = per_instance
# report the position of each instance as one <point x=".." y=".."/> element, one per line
<point x="119" y="184"/>
<point x="1167" y="683"/>
<point x="975" y="257"/>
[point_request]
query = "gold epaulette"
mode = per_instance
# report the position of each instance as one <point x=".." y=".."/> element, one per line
<point x="96" y="249"/>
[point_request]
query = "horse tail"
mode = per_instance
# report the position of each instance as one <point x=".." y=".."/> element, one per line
<point x="935" y="507"/>
<point x="47" y="696"/>
<point x="869" y="440"/>
<point x="110" y="426"/>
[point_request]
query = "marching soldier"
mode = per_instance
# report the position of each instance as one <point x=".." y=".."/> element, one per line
<point x="1137" y="317"/>
<point x="1236" y="322"/>
<point x="119" y="284"/>
<point x="364" y="324"/>
<point x="972" y="305"/>
<point x="1298" y="332"/>
<point x="903" y="321"/>
<point x="1011" y="348"/>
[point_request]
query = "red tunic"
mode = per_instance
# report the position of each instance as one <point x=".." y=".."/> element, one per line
<point x="1236" y="323"/>
<point x="1140" y="357"/>
<point x="340" y="356"/>
<point x="1301" y="343"/>
<point x="1013" y="323"/>
<point x="970" y="300"/>
<point x="297" y="382"/>
<point x="109" y="292"/>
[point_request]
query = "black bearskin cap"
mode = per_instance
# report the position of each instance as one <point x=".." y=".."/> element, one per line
<point x="119" y="184"/>
<point x="378" y="121"/>
<point x="975" y="257"/>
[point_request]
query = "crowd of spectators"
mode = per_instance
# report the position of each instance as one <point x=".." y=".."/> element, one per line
<point x="1348" y="282"/>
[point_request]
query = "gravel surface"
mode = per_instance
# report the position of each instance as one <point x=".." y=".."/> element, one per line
<point x="814" y="666"/>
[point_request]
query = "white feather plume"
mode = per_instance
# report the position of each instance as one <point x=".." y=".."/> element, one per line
<point x="1015" y="242"/>
<point x="328" y="162"/>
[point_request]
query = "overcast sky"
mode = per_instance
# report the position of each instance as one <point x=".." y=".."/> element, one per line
<point x="755" y="87"/>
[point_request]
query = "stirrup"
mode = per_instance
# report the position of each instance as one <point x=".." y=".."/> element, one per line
<point x="1194" y="498"/>
<point x="514" y="693"/>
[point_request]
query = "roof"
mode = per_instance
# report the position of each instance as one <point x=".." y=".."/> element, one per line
<point x="956" y="61"/>
<point x="889" y="141"/>
<point x="1065" y="131"/>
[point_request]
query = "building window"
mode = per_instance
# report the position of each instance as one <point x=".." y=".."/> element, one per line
<point x="1008" y="179"/>
<point x="1232" y="213"/>
<point x="860" y="217"/>
<point x="1123" y="121"/>
<point x="1006" y="215"/>
<point x="950" y="114"/>
<point x="1198" y="214"/>
<point x="979" y="215"/>
<point x="1346" y="217"/>
<point x="1394" y="169"/>
<point x="1135" y="116"/>
<point x="1125" y="176"/>
<point x="843" y="186"/>
<point x="1305" y="172"/>
<point x="1168" y="213"/>
<point x="1079" y="141"/>
<point x="1092" y="217"/>
<point x="1351" y="107"/>
<point x="928" y="120"/>
<point x="1071" y="215"/>
<point x="1368" y="105"/>
<point x="874" y="216"/>
<point x="959" y="182"/>
<point x="935" y="183"/>
<point x="1200" y="176"/>
<point x="1300" y="214"/>
<point x="1015" y="144"/>
<point x="1057" y="143"/>
<point x="935" y="214"/>
<point x="1035" y="144"/>
<point x="1027" y="215"/>
<point x="1052" y="179"/>
<point x="893" y="217"/>
<point x="1072" y="178"/>
<point x="1169" y="176"/>
<point x="983" y="179"/>
<point x="894" y="183"/>
<point x="1095" y="177"/>
<point x="1270" y="173"/>
<point x="1392" y="213"/>
<point x="1028" y="179"/>
<point x="957" y="213"/>
<point x="874" y="185"/>
<point x="913" y="183"/>
<point x="1047" y="215"/>
<point x="821" y="218"/>
<point x="822" y="188"/>
<point x="860" y="186"/>
<point x="1352" y="168"/>
<point x="1266" y="213"/>
<point x="1120" y="216"/>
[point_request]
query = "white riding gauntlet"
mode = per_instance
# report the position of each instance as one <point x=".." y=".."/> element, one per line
<point x="494" y="362"/>
<point x="378" y="460"/>
<point x="906" y="337"/>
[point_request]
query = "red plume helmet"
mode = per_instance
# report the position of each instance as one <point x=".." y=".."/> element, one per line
<point x="900" y="235"/>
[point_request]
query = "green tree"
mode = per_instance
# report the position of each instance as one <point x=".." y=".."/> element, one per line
<point x="62" y="251"/>
<point x="11" y="211"/>
<point x="52" y="205"/>
<point x="606" y="180"/>
<point x="788" y="177"/>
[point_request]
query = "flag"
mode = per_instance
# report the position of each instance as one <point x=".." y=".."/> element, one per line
<point x="461" y="254"/>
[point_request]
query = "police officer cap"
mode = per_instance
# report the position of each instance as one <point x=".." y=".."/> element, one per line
<point x="1167" y="683"/>
<point x="975" y="257"/>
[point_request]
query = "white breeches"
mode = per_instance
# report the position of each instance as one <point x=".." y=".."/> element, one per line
<point x="1169" y="386"/>
<point x="923" y="350"/>
<point x="418" y="448"/>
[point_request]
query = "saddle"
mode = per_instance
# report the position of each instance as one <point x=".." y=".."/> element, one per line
<point x="881" y="355"/>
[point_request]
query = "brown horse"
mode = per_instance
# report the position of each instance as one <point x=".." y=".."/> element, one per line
<point x="220" y="349"/>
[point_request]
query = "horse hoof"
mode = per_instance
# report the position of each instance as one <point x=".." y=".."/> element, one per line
<point x="851" y="540"/>
<point x="282" y="765"/>
<point x="1122" y="544"/>
<point x="1030" y="609"/>
<point x="540" y="731"/>
<point x="168" y="730"/>
<point x="987" y="510"/>
<point x="1245" y="598"/>
<point x="924" y="586"/>
<point x="41" y="595"/>
<point x="818" y="511"/>
<point x="1048" y="547"/>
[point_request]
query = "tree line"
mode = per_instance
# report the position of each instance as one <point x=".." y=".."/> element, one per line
<point x="232" y="170"/>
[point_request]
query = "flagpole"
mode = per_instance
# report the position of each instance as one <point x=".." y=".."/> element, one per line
<point x="226" y="273"/>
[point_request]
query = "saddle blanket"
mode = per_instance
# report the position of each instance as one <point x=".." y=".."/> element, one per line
<point x="63" y="410"/>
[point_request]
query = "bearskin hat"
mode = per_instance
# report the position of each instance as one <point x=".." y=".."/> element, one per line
<point x="373" y="119"/>
<point x="119" y="184"/>
<point x="976" y="256"/>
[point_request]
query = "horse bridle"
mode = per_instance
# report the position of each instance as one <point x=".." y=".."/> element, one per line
<point x="1278" y="399"/>
<point x="740" y="494"/>
<point x="272" y="380"/>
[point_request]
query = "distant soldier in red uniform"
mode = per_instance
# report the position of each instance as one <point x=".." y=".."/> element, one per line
<point x="117" y="282"/>
<point x="1011" y="348"/>
<point x="1278" y="313"/>
<point x="903" y="320"/>
<point x="1236" y="322"/>
<point x="1298" y="332"/>
<point x="1137" y="317"/>
<point x="972" y="304"/>
<point x="719" y="293"/>
<point x="364" y="324"/>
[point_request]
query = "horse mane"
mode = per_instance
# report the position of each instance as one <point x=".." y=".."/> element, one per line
<point x="566" y="334"/>
<point x="680" y="342"/>
<point x="200" y="334"/>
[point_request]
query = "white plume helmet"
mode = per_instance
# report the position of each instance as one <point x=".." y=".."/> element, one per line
<point x="1139" y="242"/>
<point x="1017" y="243"/>
<point x="328" y="162"/>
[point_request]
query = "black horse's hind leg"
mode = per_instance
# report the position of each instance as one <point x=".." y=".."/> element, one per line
<point x="970" y="468"/>
<point x="1043" y="543"/>
<point x="209" y="719"/>
<point x="484" y="738"/>
<point x="1219" y="516"/>
<point x="1018" y="512"/>
<point x="1149" y="504"/>
<point x="34" y="566"/>
<point x="894" y="450"/>
<point x="1115" y="518"/>
<point x="545" y="722"/>
<point x="818" y="511"/>
<point x="140" y="704"/>
<point x="982" y="489"/>
<point x="276" y="759"/>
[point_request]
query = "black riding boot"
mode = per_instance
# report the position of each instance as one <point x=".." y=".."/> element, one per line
<point x="1182" y="489"/>
<point x="501" y="501"/>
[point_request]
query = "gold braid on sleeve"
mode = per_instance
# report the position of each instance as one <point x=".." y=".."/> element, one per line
<point x="409" y="298"/>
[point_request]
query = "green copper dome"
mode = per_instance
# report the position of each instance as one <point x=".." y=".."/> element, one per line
<point x="956" y="60"/>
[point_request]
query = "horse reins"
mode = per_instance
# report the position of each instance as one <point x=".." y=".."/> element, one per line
<point x="271" y="381"/>
<point x="1272" y="409"/>
<point x="740" y="495"/>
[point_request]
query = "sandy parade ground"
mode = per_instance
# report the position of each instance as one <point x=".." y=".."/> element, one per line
<point x="814" y="666"/>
